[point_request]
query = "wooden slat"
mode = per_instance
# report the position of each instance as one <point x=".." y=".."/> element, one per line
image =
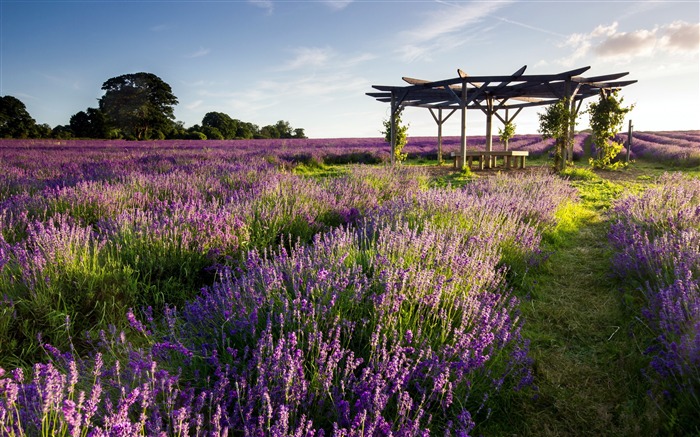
<point x="603" y="78"/>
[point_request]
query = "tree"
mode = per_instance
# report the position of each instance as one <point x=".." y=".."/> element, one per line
<point x="62" y="132"/>
<point x="506" y="133"/>
<point x="15" y="121"/>
<point x="224" y="124"/>
<point x="299" y="133"/>
<point x="138" y="104"/>
<point x="556" y="123"/>
<point x="401" y="135"/>
<point x="90" y="124"/>
<point x="607" y="116"/>
<point x="269" y="131"/>
<point x="246" y="130"/>
<point x="42" y="130"/>
<point x="284" y="129"/>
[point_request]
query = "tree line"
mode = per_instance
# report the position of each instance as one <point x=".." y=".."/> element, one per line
<point x="136" y="106"/>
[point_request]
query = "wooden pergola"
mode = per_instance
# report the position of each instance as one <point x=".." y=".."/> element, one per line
<point x="492" y="94"/>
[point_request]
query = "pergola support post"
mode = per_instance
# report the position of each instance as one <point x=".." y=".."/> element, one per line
<point x="463" y="128"/>
<point x="393" y="129"/>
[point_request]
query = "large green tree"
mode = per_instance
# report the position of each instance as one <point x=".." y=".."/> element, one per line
<point x="221" y="122"/>
<point x="141" y="105"/>
<point x="15" y="121"/>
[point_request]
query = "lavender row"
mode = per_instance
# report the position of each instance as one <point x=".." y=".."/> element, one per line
<point x="657" y="239"/>
<point x="391" y="315"/>
<point x="676" y="147"/>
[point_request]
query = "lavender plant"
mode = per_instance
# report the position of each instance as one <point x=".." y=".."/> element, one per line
<point x="657" y="236"/>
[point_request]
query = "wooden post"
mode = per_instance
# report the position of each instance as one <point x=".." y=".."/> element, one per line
<point x="463" y="143"/>
<point x="489" y="119"/>
<point x="505" y="144"/>
<point x="393" y="129"/>
<point x="629" y="142"/>
<point x="439" y="136"/>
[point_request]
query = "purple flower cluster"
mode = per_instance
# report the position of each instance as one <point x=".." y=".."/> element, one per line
<point x="657" y="240"/>
<point x="364" y="304"/>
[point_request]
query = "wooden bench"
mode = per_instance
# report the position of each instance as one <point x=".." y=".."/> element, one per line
<point x="511" y="158"/>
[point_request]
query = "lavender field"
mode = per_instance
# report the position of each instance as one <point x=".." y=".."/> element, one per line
<point x="205" y="288"/>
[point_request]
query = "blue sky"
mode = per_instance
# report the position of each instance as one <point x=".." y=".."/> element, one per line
<point x="311" y="62"/>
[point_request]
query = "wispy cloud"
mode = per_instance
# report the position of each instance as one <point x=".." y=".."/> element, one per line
<point x="441" y="25"/>
<point x="194" y="105"/>
<point x="199" y="53"/>
<point x="320" y="58"/>
<point x="337" y="4"/>
<point x="267" y="5"/>
<point x="528" y="26"/>
<point x="160" y="28"/>
<point x="305" y="57"/>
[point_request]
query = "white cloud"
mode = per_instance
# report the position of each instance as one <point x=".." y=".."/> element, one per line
<point x="628" y="44"/>
<point x="682" y="36"/>
<point x="610" y="43"/>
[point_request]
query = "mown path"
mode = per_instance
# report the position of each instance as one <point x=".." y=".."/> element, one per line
<point x="586" y="362"/>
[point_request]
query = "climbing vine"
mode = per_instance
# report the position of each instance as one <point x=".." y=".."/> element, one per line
<point x="555" y="123"/>
<point x="506" y="133"/>
<point x="401" y="136"/>
<point x="606" y="118"/>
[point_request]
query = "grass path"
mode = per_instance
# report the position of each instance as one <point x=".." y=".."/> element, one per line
<point x="586" y="362"/>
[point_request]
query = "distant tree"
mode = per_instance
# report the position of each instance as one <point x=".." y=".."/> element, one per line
<point x="178" y="131"/>
<point x="246" y="130"/>
<point x="284" y="129"/>
<point x="212" y="133"/>
<point x="62" y="132"/>
<point x="15" y="121"/>
<point x="269" y="131"/>
<point x="138" y="104"/>
<point x="90" y="124"/>
<point x="222" y="122"/>
<point x="299" y="133"/>
<point x="41" y="131"/>
<point x="80" y="124"/>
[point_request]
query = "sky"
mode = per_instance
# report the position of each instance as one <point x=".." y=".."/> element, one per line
<point x="311" y="62"/>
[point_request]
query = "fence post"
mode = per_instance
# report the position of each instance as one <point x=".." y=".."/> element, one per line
<point x="629" y="141"/>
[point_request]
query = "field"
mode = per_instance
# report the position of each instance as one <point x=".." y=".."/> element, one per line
<point x="306" y="288"/>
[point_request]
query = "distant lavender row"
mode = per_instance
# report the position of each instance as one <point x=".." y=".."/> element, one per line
<point x="680" y="147"/>
<point x="657" y="239"/>
<point x="359" y="305"/>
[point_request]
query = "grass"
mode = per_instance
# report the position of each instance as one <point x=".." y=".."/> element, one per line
<point x="586" y="362"/>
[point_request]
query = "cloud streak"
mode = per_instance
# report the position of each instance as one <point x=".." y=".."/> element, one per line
<point x="199" y="53"/>
<point x="267" y="5"/>
<point x="439" y="30"/>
